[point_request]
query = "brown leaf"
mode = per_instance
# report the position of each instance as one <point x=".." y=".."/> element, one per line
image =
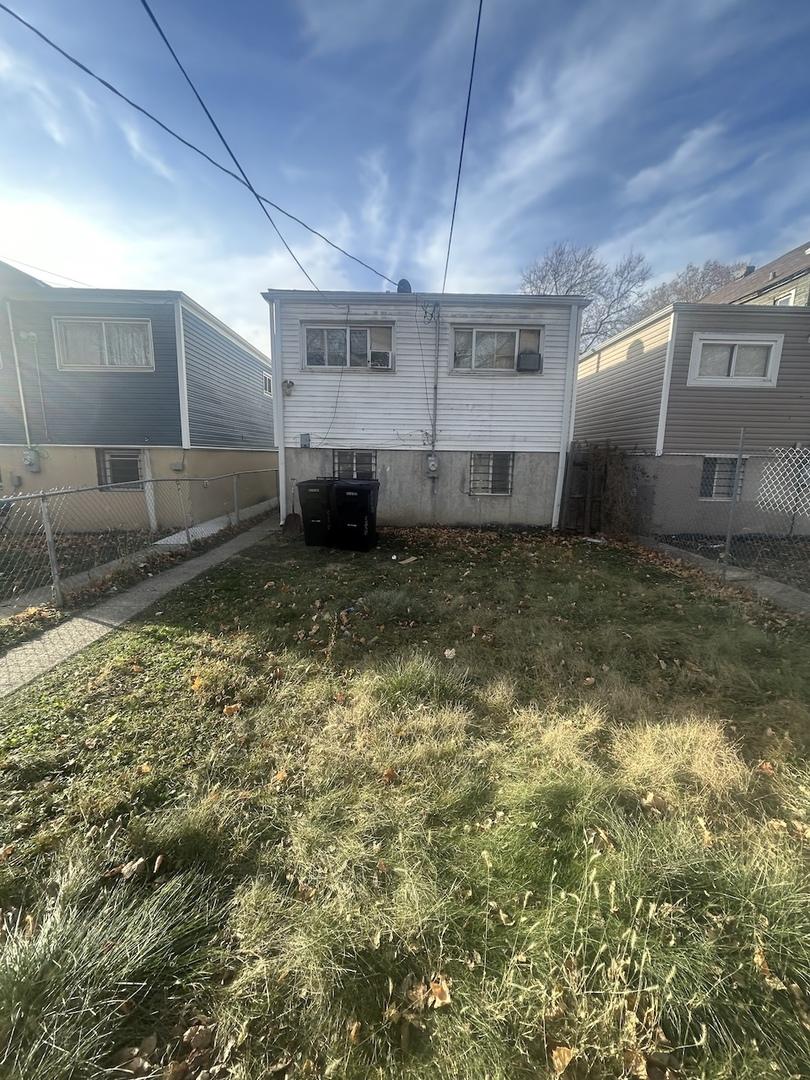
<point x="390" y="775"/>
<point x="440" y="991"/>
<point x="197" y="684"/>
<point x="561" y="1058"/>
<point x="280" y="777"/>
<point x="158" y="863"/>
<point x="635" y="1064"/>
<point x="762" y="966"/>
<point x="766" y="769"/>
<point x="231" y="710"/>
<point x="353" y="1028"/>
<point x="144" y="768"/>
<point x="654" y="804"/>
<point x="6" y="851"/>
<point x="130" y="869"/>
<point x="449" y="654"/>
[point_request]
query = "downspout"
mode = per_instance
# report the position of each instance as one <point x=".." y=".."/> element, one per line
<point x="435" y="421"/>
<point x="567" y="425"/>
<point x="19" y="375"/>
<point x="277" y="374"/>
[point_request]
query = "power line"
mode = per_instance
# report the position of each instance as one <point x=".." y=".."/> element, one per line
<point x="226" y="144"/>
<point x="463" y="139"/>
<point x="189" y="145"/>
<point x="42" y="270"/>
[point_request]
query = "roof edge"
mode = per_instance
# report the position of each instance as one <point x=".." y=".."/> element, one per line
<point x="400" y="298"/>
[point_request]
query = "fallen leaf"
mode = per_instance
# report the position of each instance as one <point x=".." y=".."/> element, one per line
<point x="561" y="1058"/>
<point x="144" y="768"/>
<point x="762" y="966"/>
<point x="231" y="710"/>
<point x="197" y="684"/>
<point x="280" y="776"/>
<point x="353" y="1028"/>
<point x="654" y="804"/>
<point x="589" y="681"/>
<point x="766" y="769"/>
<point x="440" y="991"/>
<point x="130" y="869"/>
<point x="449" y="654"/>
<point x="158" y="863"/>
<point x="635" y="1064"/>
<point x="6" y="851"/>
<point x="390" y="775"/>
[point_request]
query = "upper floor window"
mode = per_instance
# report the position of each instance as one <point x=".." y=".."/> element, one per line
<point x="498" y="350"/>
<point x="744" y="360"/>
<point x="786" y="299"/>
<point x="369" y="347"/>
<point x="94" y="344"/>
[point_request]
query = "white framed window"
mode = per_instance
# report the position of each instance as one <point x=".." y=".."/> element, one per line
<point x="267" y="384"/>
<point x="750" y="360"/>
<point x="494" y="349"/>
<point x="369" y="348"/>
<point x="354" y="464"/>
<point x="491" y="473"/>
<point x="121" y="468"/>
<point x="84" y="344"/>
<point x="787" y="299"/>
<point x="717" y="478"/>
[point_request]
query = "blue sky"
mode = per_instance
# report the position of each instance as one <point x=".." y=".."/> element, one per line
<point x="678" y="129"/>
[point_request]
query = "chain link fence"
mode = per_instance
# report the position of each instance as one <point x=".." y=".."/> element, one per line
<point x="753" y="513"/>
<point x="57" y="546"/>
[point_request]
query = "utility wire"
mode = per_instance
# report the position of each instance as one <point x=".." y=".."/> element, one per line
<point x="189" y="145"/>
<point x="42" y="270"/>
<point x="225" y="143"/>
<point x="463" y="139"/>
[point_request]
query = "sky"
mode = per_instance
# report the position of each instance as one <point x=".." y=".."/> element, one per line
<point x="677" y="129"/>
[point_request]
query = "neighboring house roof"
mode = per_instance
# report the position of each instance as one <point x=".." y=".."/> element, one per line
<point x="11" y="277"/>
<point x="765" y="278"/>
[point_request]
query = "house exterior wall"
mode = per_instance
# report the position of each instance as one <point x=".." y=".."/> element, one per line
<point x="708" y="419"/>
<point x="227" y="405"/>
<point x="409" y="496"/>
<point x="392" y="409"/>
<point x="618" y="396"/>
<point x="800" y="284"/>
<point x="12" y="429"/>
<point x="108" y="408"/>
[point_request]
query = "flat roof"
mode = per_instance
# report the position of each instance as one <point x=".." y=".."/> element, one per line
<point x="404" y="298"/>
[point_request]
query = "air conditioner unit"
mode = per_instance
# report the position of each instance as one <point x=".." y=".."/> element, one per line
<point x="530" y="361"/>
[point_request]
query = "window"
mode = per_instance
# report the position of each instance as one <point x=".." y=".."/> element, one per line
<point x="717" y="478"/>
<point x="91" y="344"/>
<point x="369" y="347"/>
<point x="748" y="360"/>
<point x="268" y="384"/>
<point x="498" y="350"/>
<point x="354" y="464"/>
<point x="786" y="300"/>
<point x="120" y="467"/>
<point x="491" y="474"/>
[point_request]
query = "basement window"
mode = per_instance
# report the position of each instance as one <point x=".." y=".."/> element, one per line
<point x="354" y="464"/>
<point x="717" y="478"/>
<point x="491" y="473"/>
<point x="498" y="350"/>
<point x="369" y="348"/>
<point x="119" y="470"/>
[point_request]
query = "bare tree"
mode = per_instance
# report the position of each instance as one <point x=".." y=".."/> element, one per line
<point x="614" y="290"/>
<point x="689" y="286"/>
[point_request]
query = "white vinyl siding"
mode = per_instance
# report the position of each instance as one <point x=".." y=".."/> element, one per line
<point x="267" y="385"/>
<point x="85" y="344"/>
<point x="361" y="410"/>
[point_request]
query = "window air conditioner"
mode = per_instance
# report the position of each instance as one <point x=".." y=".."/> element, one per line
<point x="530" y="361"/>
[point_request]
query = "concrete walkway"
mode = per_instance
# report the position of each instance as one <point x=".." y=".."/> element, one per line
<point x="27" y="662"/>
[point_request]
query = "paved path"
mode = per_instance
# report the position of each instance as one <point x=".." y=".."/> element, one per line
<point x="27" y="662"/>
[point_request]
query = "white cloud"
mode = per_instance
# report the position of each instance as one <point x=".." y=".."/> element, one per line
<point x="90" y="243"/>
<point x="20" y="81"/>
<point x="141" y="151"/>
<point x="375" y="182"/>
<point x="703" y="152"/>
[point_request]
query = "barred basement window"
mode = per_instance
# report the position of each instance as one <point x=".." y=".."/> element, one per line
<point x="119" y="467"/>
<point x="491" y="473"/>
<point x="354" y="464"/>
<point x="717" y="478"/>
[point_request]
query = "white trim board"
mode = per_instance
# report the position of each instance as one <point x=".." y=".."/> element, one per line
<point x="666" y="382"/>
<point x="734" y="382"/>
<point x="182" y="381"/>
<point x="568" y="411"/>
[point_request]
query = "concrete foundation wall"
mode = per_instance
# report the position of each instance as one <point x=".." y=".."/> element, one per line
<point x="409" y="497"/>
<point x="668" y="487"/>
<point x="122" y="509"/>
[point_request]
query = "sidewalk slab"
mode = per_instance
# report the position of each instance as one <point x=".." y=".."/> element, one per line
<point x="27" y="662"/>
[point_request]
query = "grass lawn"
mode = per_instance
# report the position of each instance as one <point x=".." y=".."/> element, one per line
<point x="519" y="807"/>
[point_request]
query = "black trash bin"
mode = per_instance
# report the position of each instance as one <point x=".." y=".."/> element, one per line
<point x="354" y="514"/>
<point x="315" y="497"/>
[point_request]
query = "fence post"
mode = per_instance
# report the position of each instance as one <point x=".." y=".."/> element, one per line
<point x="185" y="511"/>
<point x="236" y="498"/>
<point x="735" y="498"/>
<point x="58" y="598"/>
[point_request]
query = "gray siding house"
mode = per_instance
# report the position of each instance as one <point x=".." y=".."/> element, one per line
<point x="678" y="387"/>
<point x="106" y="386"/>
<point x="783" y="282"/>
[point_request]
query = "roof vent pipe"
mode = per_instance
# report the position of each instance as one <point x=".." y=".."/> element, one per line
<point x="403" y="285"/>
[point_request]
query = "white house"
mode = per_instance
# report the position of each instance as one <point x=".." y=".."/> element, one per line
<point x="461" y="405"/>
